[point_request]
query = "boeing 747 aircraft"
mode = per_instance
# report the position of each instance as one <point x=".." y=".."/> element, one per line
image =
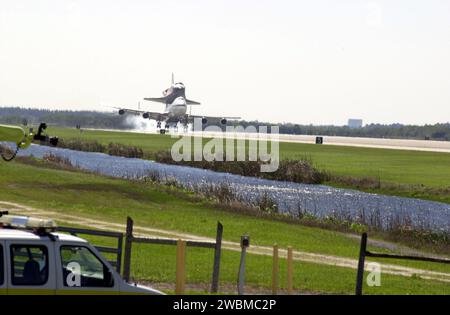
<point x="176" y="109"/>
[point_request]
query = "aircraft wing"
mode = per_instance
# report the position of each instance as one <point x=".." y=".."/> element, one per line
<point x="189" y="102"/>
<point x="213" y="118"/>
<point x="143" y="113"/>
<point x="129" y="111"/>
<point x="156" y="99"/>
<point x="155" y="116"/>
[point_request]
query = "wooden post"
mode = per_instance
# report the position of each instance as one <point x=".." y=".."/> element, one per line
<point x="290" y="271"/>
<point x="362" y="258"/>
<point x="119" y="253"/>
<point x="275" y="269"/>
<point x="217" y="253"/>
<point x="181" y="268"/>
<point x="128" y="243"/>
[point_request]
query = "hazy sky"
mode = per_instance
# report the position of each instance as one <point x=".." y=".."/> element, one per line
<point x="317" y="62"/>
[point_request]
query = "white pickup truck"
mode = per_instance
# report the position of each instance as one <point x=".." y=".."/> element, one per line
<point x="36" y="261"/>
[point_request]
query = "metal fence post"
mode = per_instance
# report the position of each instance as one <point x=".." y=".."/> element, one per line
<point x="128" y="243"/>
<point x="217" y="253"/>
<point x="361" y="261"/>
<point x="245" y="242"/>
<point x="181" y="267"/>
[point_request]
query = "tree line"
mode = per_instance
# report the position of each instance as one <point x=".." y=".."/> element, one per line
<point x="93" y="119"/>
<point x="440" y="131"/>
<point x="63" y="118"/>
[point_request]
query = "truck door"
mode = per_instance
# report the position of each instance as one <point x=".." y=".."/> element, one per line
<point x="82" y="270"/>
<point x="31" y="267"/>
<point x="3" y="287"/>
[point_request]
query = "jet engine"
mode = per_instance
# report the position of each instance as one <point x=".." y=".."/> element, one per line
<point x="121" y="112"/>
<point x="146" y="115"/>
<point x="223" y="121"/>
<point x="204" y="121"/>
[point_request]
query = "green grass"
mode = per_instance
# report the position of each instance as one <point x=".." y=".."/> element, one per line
<point x="113" y="200"/>
<point x="417" y="174"/>
<point x="397" y="166"/>
<point x="307" y="277"/>
<point x="156" y="264"/>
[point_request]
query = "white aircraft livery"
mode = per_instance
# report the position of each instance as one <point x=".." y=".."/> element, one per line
<point x="176" y="109"/>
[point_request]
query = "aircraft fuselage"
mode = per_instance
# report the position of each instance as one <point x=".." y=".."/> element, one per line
<point x="175" y="110"/>
<point x="176" y="106"/>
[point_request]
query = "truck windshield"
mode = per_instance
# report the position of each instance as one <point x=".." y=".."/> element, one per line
<point x="81" y="268"/>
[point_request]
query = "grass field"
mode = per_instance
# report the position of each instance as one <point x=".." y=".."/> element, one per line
<point x="156" y="264"/>
<point x="112" y="200"/>
<point x="418" y="173"/>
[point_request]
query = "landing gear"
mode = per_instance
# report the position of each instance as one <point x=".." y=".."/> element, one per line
<point x="161" y="131"/>
<point x="168" y="127"/>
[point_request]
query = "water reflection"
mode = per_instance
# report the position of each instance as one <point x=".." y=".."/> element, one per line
<point x="291" y="197"/>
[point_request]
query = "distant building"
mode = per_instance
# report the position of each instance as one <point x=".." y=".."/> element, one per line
<point x="355" y="123"/>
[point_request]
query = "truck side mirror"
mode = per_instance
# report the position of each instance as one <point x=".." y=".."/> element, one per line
<point x="108" y="277"/>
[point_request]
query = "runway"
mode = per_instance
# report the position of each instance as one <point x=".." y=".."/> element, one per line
<point x="397" y="144"/>
<point x="382" y="143"/>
